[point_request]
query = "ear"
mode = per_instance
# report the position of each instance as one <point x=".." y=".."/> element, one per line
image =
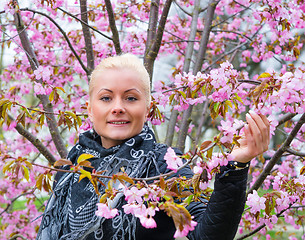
<point x="147" y="113"/>
<point x="89" y="110"/>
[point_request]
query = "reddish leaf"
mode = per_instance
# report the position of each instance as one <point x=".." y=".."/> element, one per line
<point x="62" y="162"/>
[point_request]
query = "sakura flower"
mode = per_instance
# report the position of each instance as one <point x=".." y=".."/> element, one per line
<point x="43" y="73"/>
<point x="148" y="222"/>
<point x="104" y="211"/>
<point x="172" y="160"/>
<point x="256" y="202"/>
<point x="134" y="194"/>
<point x="186" y="229"/>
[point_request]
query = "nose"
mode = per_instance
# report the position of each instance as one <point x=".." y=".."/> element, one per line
<point x="118" y="108"/>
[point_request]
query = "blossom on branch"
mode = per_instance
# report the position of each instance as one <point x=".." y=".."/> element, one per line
<point x="104" y="211"/>
<point x="172" y="160"/>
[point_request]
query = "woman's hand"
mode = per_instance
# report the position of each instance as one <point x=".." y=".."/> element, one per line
<point x="255" y="139"/>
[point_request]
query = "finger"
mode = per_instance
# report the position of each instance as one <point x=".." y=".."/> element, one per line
<point x="249" y="137"/>
<point x="263" y="126"/>
<point x="256" y="134"/>
<point x="267" y="123"/>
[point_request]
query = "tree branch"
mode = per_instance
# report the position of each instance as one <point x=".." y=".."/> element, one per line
<point x="297" y="153"/>
<point x="151" y="32"/>
<point x="198" y="65"/>
<point x="36" y="142"/>
<point x="263" y="225"/>
<point x="87" y="37"/>
<point x="51" y="121"/>
<point x="150" y="57"/>
<point x="63" y="33"/>
<point x="266" y="171"/>
<point x="182" y="9"/>
<point x="14" y="199"/>
<point x="186" y="67"/>
<point x="286" y="117"/>
<point x="82" y="22"/>
<point x="17" y="236"/>
<point x="114" y="30"/>
<point x="202" y="121"/>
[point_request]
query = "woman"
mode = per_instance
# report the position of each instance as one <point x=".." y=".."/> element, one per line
<point x="118" y="106"/>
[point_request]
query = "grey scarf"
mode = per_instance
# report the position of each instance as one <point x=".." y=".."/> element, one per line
<point x="70" y="212"/>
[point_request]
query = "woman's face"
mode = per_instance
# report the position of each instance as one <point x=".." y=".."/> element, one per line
<point x="117" y="105"/>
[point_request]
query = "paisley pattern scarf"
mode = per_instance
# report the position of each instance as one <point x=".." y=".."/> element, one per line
<point x="70" y="212"/>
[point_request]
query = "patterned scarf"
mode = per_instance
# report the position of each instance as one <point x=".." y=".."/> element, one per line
<point x="70" y="212"/>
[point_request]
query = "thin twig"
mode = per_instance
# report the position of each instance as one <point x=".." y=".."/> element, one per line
<point x="10" y="38"/>
<point x="63" y="33"/>
<point x="277" y="155"/>
<point x="263" y="225"/>
<point x="35" y="141"/>
<point x="300" y="154"/>
<point x="81" y="21"/>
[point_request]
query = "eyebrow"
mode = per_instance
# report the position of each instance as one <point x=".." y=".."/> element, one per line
<point x="128" y="90"/>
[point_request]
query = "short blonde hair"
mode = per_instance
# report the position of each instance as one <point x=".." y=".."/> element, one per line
<point x="124" y="61"/>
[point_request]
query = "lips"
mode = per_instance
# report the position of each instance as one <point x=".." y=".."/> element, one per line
<point x="121" y="122"/>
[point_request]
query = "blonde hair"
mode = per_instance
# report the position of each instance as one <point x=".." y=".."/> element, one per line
<point x="125" y="61"/>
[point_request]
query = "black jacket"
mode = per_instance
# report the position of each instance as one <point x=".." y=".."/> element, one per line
<point x="218" y="220"/>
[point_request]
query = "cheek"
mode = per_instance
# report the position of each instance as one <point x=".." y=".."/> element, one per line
<point x="97" y="113"/>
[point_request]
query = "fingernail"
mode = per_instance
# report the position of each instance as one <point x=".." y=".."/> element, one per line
<point x="248" y="115"/>
<point x="252" y="112"/>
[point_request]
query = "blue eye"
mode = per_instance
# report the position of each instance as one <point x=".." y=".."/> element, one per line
<point x="132" y="99"/>
<point x="105" y="99"/>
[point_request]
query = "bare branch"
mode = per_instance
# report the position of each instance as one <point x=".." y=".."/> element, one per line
<point x="249" y="81"/>
<point x="82" y="22"/>
<point x="182" y="9"/>
<point x="198" y="65"/>
<point x="263" y="225"/>
<point x="232" y="16"/>
<point x="114" y="30"/>
<point x="151" y="55"/>
<point x="297" y="153"/>
<point x="286" y="117"/>
<point x="152" y="24"/>
<point x="11" y="38"/>
<point x="14" y="199"/>
<point x="35" y="141"/>
<point x="87" y="37"/>
<point x="16" y="236"/>
<point x="266" y="171"/>
<point x="63" y="33"/>
<point x="186" y="66"/>
<point x="202" y="121"/>
<point x="240" y="34"/>
<point x="51" y="121"/>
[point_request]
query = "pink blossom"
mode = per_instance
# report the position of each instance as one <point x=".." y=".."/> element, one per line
<point x="186" y="229"/>
<point x="104" y="211"/>
<point x="256" y="202"/>
<point x="134" y="194"/>
<point x="148" y="222"/>
<point x="172" y="160"/>
<point x="43" y="73"/>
